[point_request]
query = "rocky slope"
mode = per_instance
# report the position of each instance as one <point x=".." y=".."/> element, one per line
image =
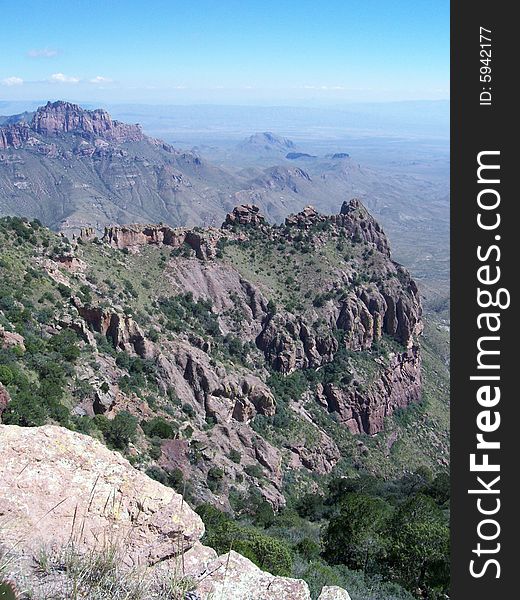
<point x="289" y="341"/>
<point x="72" y="167"/>
<point x="65" y="492"/>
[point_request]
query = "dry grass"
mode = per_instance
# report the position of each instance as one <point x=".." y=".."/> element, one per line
<point x="100" y="574"/>
<point x="76" y="572"/>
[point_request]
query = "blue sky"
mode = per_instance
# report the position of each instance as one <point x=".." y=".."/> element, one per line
<point x="227" y="51"/>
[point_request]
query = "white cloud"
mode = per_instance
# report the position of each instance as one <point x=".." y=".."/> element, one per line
<point x="10" y="81"/>
<point x="61" y="78"/>
<point x="99" y="79"/>
<point x="42" y="53"/>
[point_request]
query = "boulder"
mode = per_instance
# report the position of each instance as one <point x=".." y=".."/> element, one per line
<point x="58" y="486"/>
<point x="333" y="592"/>
<point x="235" y="577"/>
<point x="61" y="487"/>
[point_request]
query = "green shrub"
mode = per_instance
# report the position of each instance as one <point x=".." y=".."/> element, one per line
<point x="266" y="552"/>
<point x="64" y="290"/>
<point x="418" y="546"/>
<point x="214" y="478"/>
<point x="65" y="344"/>
<point x="308" y="549"/>
<point x="6" y="375"/>
<point x="235" y="456"/>
<point x="311" y="507"/>
<point x="188" y="410"/>
<point x="25" y="410"/>
<point x="158" y="427"/>
<point x="254" y="471"/>
<point x="355" y="537"/>
<point x="119" y="431"/>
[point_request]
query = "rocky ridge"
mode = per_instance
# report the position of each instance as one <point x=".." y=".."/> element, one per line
<point x="219" y="335"/>
<point x="290" y="342"/>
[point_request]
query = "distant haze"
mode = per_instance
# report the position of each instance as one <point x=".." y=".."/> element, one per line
<point x="193" y="124"/>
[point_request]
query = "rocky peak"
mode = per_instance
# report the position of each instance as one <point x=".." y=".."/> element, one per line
<point x="352" y="206"/>
<point x="353" y="217"/>
<point x="64" y="117"/>
<point x="245" y="214"/>
<point x="362" y="225"/>
<point x="305" y="218"/>
<point x="13" y="136"/>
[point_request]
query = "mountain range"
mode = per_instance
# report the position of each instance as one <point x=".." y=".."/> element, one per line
<point x="269" y="361"/>
<point x="70" y="168"/>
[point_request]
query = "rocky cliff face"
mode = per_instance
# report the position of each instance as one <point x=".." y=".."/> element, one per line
<point x="72" y="495"/>
<point x="56" y="118"/>
<point x="364" y="411"/>
<point x="13" y="136"/>
<point x="134" y="236"/>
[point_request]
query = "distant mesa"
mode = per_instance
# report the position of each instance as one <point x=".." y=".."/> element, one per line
<point x="267" y="142"/>
<point x="297" y="155"/>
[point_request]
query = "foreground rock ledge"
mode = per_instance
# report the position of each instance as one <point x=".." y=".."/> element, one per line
<point x="58" y="486"/>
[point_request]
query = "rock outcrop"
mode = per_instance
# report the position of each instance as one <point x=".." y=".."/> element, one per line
<point x="61" y="488"/>
<point x="362" y="225"/>
<point x="305" y="219"/>
<point x="364" y="410"/>
<point x="353" y="218"/>
<point x="124" y="333"/>
<point x="290" y="343"/>
<point x="64" y="117"/>
<point x="133" y="237"/>
<point x="245" y="214"/>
